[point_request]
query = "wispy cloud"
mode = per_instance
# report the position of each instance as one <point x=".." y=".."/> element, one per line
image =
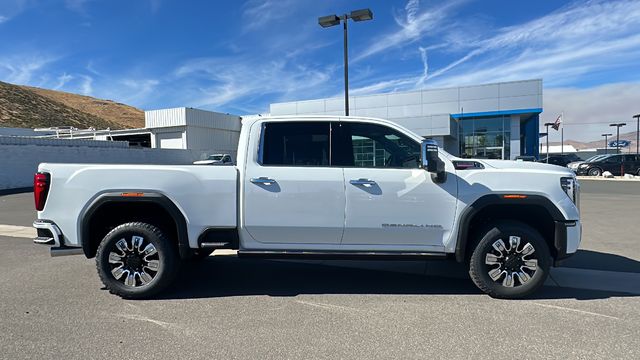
<point x="63" y="80"/>
<point x="258" y="13"/>
<point x="3" y="19"/>
<point x="86" y="85"/>
<point x="78" y="6"/>
<point x="562" y="47"/>
<point x="413" y="25"/>
<point x="21" y="69"/>
<point x="240" y="80"/>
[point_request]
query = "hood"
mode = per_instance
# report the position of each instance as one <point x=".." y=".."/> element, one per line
<point x="524" y="165"/>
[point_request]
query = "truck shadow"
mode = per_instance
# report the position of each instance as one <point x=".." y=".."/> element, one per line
<point x="223" y="276"/>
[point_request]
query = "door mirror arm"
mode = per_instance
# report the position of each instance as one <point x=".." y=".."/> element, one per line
<point x="431" y="162"/>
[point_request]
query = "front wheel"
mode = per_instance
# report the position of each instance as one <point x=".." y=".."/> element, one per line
<point x="136" y="260"/>
<point x="511" y="261"/>
<point x="594" y="172"/>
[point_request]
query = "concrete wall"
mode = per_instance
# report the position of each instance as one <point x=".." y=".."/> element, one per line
<point x="20" y="159"/>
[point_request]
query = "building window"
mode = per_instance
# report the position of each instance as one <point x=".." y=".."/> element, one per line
<point x="485" y="137"/>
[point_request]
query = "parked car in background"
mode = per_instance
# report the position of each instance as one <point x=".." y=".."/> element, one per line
<point x="574" y="165"/>
<point x="215" y="159"/>
<point x="560" y="159"/>
<point x="617" y="164"/>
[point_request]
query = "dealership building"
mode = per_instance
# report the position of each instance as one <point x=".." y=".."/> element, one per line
<point x="498" y="121"/>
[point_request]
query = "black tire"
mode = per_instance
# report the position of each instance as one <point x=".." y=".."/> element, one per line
<point x="201" y="254"/>
<point x="479" y="269"/>
<point x="594" y="172"/>
<point x="162" y="256"/>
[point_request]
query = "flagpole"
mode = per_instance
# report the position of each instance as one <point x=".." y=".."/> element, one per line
<point x="562" y="134"/>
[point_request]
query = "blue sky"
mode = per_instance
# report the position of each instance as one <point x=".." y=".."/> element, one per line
<point x="239" y="57"/>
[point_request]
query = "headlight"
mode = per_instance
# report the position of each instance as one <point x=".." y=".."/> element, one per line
<point x="571" y="188"/>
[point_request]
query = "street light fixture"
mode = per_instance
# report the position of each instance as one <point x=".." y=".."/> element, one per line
<point x="332" y="20"/>
<point x="547" y="126"/>
<point x="637" y="117"/>
<point x="618" y="126"/>
<point x="606" y="144"/>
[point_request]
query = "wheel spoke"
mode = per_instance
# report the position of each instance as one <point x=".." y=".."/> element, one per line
<point x="514" y="243"/>
<point x="492" y="259"/>
<point x="130" y="280"/>
<point x="137" y="242"/>
<point x="495" y="274"/>
<point x="153" y="265"/>
<point x="117" y="272"/>
<point x="528" y="249"/>
<point x="531" y="264"/>
<point x="149" y="250"/>
<point x="508" y="280"/>
<point x="500" y="246"/>
<point x="145" y="278"/>
<point x="122" y="246"/>
<point x="523" y="277"/>
<point x="115" y="258"/>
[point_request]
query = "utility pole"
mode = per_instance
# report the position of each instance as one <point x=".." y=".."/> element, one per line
<point x="637" y="117"/>
<point x="606" y="144"/>
<point x="547" y="126"/>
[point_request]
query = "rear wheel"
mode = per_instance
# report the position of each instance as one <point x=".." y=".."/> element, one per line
<point x="136" y="260"/>
<point x="511" y="261"/>
<point x="594" y="172"/>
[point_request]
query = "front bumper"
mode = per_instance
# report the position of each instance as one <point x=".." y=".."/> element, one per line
<point x="568" y="235"/>
<point x="49" y="234"/>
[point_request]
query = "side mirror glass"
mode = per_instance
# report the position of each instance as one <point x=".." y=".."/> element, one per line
<point x="430" y="155"/>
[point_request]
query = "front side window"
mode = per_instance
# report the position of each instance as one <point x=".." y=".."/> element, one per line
<point x="295" y="144"/>
<point x="374" y="146"/>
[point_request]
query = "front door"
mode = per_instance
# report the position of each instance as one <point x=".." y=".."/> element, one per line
<point x="292" y="195"/>
<point x="391" y="201"/>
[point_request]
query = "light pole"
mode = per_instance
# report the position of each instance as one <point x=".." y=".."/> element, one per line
<point x="637" y="117"/>
<point x="547" y="126"/>
<point x="606" y="144"/>
<point x="618" y="126"/>
<point x="332" y="20"/>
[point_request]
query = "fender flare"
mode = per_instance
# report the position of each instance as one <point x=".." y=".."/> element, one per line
<point x="147" y="197"/>
<point x="498" y="199"/>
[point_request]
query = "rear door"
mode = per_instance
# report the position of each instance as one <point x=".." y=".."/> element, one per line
<point x="390" y="200"/>
<point x="292" y="195"/>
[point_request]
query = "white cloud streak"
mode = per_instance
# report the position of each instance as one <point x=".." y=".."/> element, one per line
<point x="21" y="69"/>
<point x="413" y="26"/>
<point x="259" y="13"/>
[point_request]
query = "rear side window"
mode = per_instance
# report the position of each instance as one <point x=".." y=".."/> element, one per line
<point x="295" y="144"/>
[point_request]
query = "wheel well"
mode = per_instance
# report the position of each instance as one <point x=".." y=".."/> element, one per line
<point x="535" y="216"/>
<point x="113" y="213"/>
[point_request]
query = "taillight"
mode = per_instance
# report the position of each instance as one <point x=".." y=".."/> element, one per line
<point x="40" y="189"/>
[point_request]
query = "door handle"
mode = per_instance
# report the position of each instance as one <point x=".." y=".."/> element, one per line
<point x="263" y="180"/>
<point x="362" y="182"/>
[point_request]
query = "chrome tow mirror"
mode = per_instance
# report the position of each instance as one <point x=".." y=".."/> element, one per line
<point x="431" y="161"/>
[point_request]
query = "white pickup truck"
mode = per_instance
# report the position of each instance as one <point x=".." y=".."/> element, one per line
<point x="315" y="187"/>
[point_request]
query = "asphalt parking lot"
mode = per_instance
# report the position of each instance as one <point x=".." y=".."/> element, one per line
<point x="226" y="307"/>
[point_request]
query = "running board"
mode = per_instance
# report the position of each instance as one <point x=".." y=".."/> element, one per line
<point x="215" y="245"/>
<point x="65" y="251"/>
<point x="341" y="255"/>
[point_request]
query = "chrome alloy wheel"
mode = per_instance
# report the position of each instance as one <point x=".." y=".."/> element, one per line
<point x="133" y="262"/>
<point x="513" y="265"/>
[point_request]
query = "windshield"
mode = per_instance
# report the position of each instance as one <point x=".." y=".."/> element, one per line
<point x="215" y="157"/>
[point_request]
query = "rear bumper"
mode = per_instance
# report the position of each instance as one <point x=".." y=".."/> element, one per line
<point x="49" y="234"/>
<point x="568" y="235"/>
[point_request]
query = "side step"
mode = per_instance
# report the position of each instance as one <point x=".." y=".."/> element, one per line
<point x="65" y="251"/>
<point x="215" y="245"/>
<point x="341" y="255"/>
<point x="44" y="240"/>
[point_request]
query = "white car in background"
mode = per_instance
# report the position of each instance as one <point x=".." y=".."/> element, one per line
<point x="215" y="159"/>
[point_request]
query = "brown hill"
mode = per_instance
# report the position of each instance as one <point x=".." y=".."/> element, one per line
<point x="125" y="115"/>
<point x="27" y="107"/>
<point x="631" y="136"/>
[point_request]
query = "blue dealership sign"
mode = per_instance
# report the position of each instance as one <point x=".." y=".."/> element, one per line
<point x="620" y="143"/>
